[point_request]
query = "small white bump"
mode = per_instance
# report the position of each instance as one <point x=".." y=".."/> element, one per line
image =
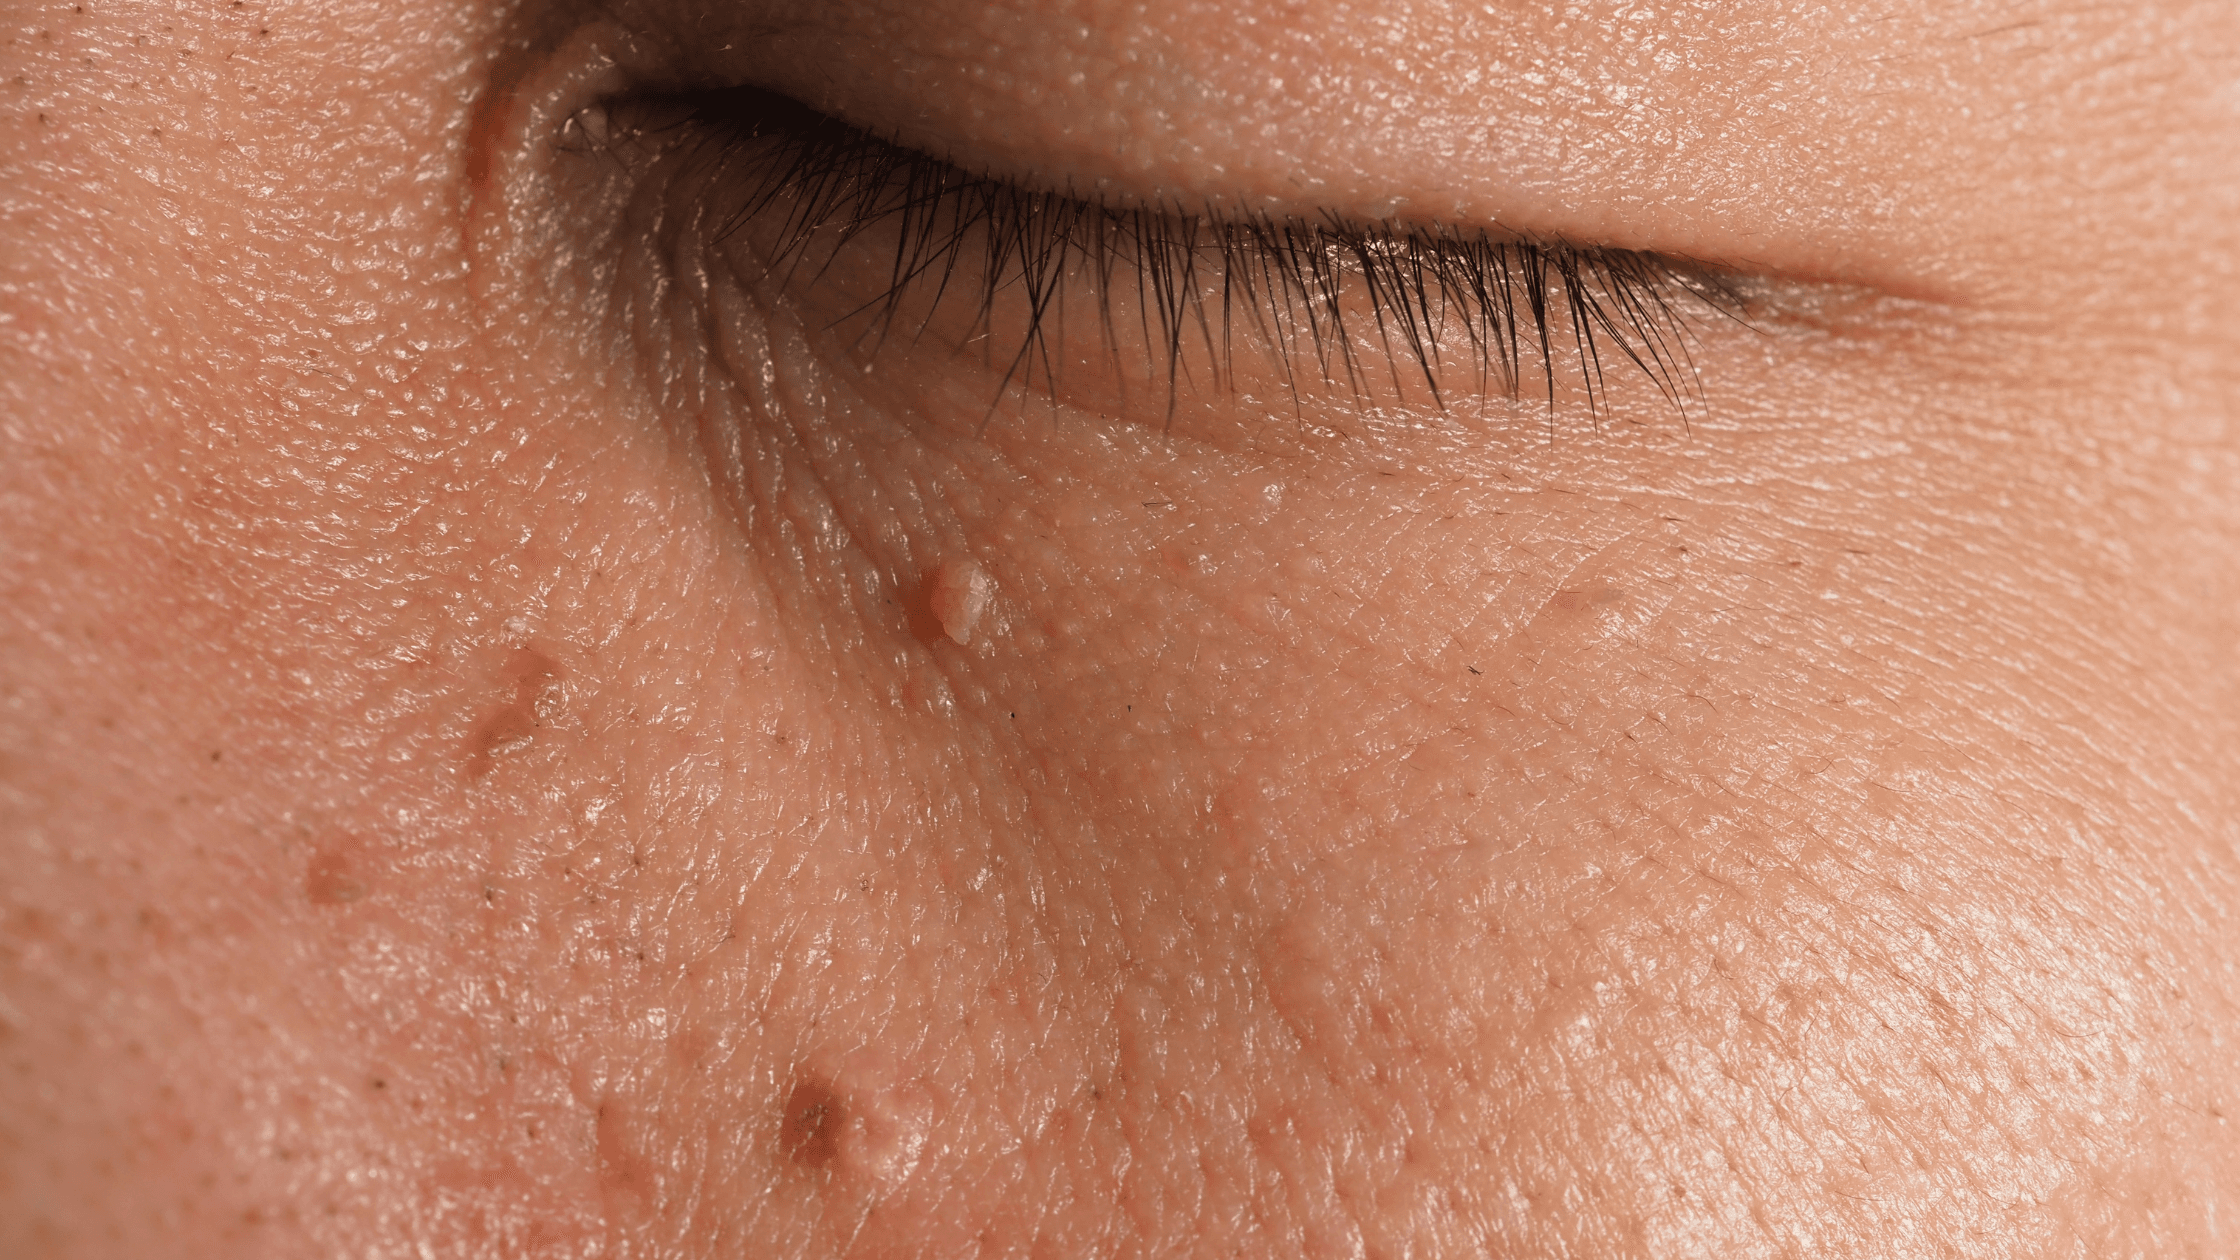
<point x="961" y="594"/>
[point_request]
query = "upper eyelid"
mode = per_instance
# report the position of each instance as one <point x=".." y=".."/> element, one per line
<point x="1517" y="301"/>
<point x="1000" y="88"/>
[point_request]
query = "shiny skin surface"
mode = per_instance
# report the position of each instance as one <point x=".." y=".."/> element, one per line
<point x="482" y="771"/>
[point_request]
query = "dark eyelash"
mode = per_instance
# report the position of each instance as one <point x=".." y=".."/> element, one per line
<point x="1198" y="277"/>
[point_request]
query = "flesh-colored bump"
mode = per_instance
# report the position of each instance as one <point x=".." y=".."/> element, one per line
<point x="530" y="681"/>
<point x="961" y="593"/>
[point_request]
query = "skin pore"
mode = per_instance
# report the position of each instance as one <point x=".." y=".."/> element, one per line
<point x="488" y="766"/>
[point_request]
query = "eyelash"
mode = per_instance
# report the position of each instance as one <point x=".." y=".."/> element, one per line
<point x="1196" y="277"/>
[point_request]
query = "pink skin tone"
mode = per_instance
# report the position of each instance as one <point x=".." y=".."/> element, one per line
<point x="489" y="764"/>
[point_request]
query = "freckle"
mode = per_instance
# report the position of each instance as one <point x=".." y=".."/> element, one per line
<point x="332" y="882"/>
<point x="812" y="1124"/>
<point x="960" y="595"/>
<point x="625" y="1172"/>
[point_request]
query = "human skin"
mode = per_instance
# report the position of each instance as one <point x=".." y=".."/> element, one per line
<point x="483" y="773"/>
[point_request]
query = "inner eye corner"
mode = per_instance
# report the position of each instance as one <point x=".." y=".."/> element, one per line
<point x="615" y="124"/>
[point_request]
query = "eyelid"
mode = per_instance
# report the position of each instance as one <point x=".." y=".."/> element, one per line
<point x="1740" y="152"/>
<point x="1313" y="294"/>
<point x="1204" y="110"/>
<point x="1309" y="289"/>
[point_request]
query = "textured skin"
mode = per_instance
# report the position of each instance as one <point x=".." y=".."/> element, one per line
<point x="481" y="772"/>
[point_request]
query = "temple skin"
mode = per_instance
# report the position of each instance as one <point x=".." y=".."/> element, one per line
<point x="483" y="773"/>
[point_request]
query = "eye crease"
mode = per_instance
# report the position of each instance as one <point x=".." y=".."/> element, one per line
<point x="1316" y="300"/>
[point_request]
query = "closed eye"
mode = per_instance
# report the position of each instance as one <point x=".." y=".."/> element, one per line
<point x="1182" y="294"/>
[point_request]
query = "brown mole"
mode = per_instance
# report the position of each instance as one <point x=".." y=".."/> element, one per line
<point x="862" y="1117"/>
<point x="810" y="1131"/>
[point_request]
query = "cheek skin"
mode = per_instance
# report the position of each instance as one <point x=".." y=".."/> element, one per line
<point x="1717" y="783"/>
<point x="497" y="774"/>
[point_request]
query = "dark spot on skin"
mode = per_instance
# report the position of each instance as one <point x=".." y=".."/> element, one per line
<point x="811" y="1130"/>
<point x="530" y="681"/>
<point x="378" y="1083"/>
<point x="623" y="1172"/>
<point x="333" y="881"/>
<point x="156" y="924"/>
<point x="217" y="754"/>
<point x="28" y="924"/>
<point x="917" y="608"/>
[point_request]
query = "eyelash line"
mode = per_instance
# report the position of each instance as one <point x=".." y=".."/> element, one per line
<point x="1286" y="276"/>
